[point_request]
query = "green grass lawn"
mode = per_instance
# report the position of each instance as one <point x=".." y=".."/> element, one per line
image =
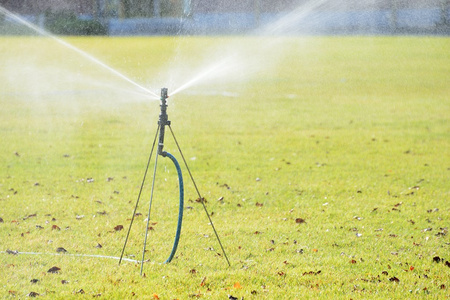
<point x="332" y="165"/>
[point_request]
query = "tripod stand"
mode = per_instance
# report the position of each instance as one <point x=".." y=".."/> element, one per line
<point x="162" y="123"/>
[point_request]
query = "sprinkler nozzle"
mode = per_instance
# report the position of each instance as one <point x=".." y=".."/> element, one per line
<point x="164" y="94"/>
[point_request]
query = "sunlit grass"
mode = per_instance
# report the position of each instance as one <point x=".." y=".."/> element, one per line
<point x="349" y="134"/>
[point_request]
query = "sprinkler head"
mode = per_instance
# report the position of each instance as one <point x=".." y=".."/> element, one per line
<point x="164" y="94"/>
<point x="163" y="120"/>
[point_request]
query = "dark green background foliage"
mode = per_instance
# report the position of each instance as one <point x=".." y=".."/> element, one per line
<point x="66" y="23"/>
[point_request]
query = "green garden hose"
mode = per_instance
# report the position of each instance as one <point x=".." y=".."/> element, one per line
<point x="180" y="210"/>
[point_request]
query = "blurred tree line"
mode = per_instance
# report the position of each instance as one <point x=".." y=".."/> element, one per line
<point x="93" y="13"/>
<point x="152" y="8"/>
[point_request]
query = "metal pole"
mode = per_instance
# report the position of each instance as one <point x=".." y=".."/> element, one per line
<point x="148" y="216"/>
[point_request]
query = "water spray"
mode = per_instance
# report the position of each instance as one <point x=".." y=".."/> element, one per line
<point x="160" y="134"/>
<point x="80" y="52"/>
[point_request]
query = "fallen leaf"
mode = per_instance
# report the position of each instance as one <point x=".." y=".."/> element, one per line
<point x="315" y="250"/>
<point x="33" y="294"/>
<point x="29" y="216"/>
<point x="353" y="261"/>
<point x="312" y="273"/>
<point x="34" y="280"/>
<point x="201" y="200"/>
<point x="98" y="246"/>
<point x="1" y="220"/>
<point x="447" y="264"/>
<point x="80" y="291"/>
<point x="203" y="281"/>
<point x="198" y="295"/>
<point x="411" y="268"/>
<point x="230" y="297"/>
<point x="237" y="285"/>
<point x="54" y="270"/>
<point x="443" y="232"/>
<point x="259" y="204"/>
<point x="55" y="227"/>
<point x="437" y="259"/>
<point x="64" y="282"/>
<point x="155" y="296"/>
<point x="300" y="221"/>
<point x="225" y="186"/>
<point x="61" y="249"/>
<point x="118" y="227"/>
<point x="394" y="279"/>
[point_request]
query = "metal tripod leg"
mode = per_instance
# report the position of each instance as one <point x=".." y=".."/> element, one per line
<point x="200" y="197"/>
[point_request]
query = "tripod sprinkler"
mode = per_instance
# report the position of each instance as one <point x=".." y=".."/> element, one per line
<point x="162" y="123"/>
